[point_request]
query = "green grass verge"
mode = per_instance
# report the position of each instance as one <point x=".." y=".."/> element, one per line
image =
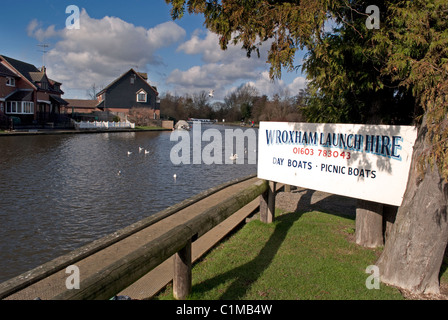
<point x="149" y="128"/>
<point x="305" y="256"/>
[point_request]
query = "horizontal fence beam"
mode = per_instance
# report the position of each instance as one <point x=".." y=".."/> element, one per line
<point x="39" y="273"/>
<point x="107" y="282"/>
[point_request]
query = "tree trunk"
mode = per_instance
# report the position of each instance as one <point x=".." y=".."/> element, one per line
<point x="414" y="252"/>
<point x="389" y="215"/>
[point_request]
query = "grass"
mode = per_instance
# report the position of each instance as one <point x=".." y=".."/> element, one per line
<point x="304" y="256"/>
<point x="149" y="128"/>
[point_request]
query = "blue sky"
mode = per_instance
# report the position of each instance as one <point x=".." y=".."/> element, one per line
<point x="179" y="56"/>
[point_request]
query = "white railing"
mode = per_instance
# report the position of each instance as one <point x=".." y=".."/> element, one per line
<point x="104" y="125"/>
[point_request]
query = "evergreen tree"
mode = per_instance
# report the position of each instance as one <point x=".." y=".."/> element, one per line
<point x="397" y="74"/>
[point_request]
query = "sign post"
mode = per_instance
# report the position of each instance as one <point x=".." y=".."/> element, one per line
<point x="367" y="162"/>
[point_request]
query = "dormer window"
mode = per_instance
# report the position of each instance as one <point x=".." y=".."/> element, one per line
<point x="11" y="82"/>
<point x="142" y="96"/>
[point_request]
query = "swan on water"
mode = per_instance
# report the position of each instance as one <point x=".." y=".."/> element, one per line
<point x="140" y="149"/>
<point x="146" y="151"/>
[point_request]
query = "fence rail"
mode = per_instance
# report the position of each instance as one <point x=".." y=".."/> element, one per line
<point x="117" y="276"/>
<point x="104" y="125"/>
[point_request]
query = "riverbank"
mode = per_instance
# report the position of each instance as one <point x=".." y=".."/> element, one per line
<point x="308" y="253"/>
<point x="74" y="131"/>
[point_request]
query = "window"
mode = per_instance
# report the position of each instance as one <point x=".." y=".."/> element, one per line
<point x="28" y="107"/>
<point x="17" y="107"/>
<point x="141" y="96"/>
<point x="10" y="82"/>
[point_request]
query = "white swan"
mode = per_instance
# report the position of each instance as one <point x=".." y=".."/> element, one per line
<point x="233" y="157"/>
<point x="129" y="153"/>
<point x="140" y="149"/>
<point x="146" y="151"/>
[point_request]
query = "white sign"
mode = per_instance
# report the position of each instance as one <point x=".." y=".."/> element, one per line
<point x="369" y="162"/>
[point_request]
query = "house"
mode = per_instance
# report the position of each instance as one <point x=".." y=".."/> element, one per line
<point x="130" y="91"/>
<point x="80" y="106"/>
<point x="27" y="94"/>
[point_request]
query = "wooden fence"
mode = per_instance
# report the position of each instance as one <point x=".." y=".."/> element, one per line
<point x="177" y="241"/>
<point x="117" y="276"/>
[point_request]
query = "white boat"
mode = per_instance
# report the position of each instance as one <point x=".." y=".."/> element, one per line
<point x="182" y="125"/>
<point x="202" y="121"/>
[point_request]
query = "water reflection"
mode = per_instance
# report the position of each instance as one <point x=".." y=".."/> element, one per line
<point x="62" y="191"/>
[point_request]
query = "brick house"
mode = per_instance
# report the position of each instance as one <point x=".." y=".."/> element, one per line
<point x="27" y="94"/>
<point x="80" y="106"/>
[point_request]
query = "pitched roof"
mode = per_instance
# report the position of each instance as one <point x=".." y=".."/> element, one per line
<point x="5" y="71"/>
<point x="20" y="95"/>
<point x="22" y="67"/>
<point x="37" y="76"/>
<point x="58" y="100"/>
<point x="143" y="76"/>
<point x="30" y="72"/>
<point x="80" y="103"/>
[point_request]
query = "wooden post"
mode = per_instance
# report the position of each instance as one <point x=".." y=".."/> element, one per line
<point x="182" y="272"/>
<point x="267" y="204"/>
<point x="369" y="224"/>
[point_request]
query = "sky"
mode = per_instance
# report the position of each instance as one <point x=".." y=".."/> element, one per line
<point x="180" y="57"/>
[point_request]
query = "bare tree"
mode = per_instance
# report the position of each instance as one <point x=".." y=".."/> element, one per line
<point x="93" y="91"/>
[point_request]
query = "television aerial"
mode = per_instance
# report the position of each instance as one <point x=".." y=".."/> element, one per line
<point x="44" y="50"/>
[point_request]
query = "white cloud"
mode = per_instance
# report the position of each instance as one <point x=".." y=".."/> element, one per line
<point x="268" y="87"/>
<point x="265" y="85"/>
<point x="221" y="68"/>
<point x="103" y="49"/>
<point x="209" y="48"/>
<point x="225" y="70"/>
<point x="298" y="84"/>
<point x="35" y="30"/>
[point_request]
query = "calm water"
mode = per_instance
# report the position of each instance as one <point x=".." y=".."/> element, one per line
<point x="60" y="192"/>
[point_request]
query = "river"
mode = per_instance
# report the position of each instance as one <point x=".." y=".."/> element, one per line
<point x="59" y="192"/>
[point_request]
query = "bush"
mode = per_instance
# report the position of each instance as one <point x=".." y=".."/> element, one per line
<point x="141" y="116"/>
